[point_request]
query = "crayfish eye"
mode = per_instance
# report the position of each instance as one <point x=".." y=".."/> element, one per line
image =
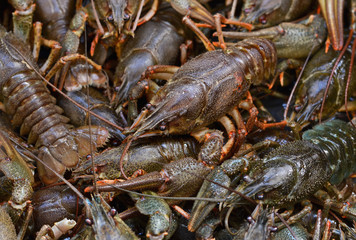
<point x="163" y="126"/>
<point x="126" y="17"/>
<point x="250" y="219"/>
<point x="113" y="212"/>
<point x="262" y="19"/>
<point x="110" y="18"/>
<point x="88" y="221"/>
<point x="273" y="228"/>
<point x="260" y="196"/>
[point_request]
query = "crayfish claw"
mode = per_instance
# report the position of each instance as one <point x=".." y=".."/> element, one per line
<point x="333" y="13"/>
<point x="201" y="209"/>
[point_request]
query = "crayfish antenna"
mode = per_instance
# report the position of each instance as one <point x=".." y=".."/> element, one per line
<point x="332" y="73"/>
<point x="349" y="78"/>
<point x="101" y="29"/>
<point x="286" y="224"/>
<point x="129" y="140"/>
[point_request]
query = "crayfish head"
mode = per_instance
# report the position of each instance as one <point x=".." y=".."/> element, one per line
<point x="118" y="15"/>
<point x="309" y="97"/>
<point x="258" y="228"/>
<point x="271" y="181"/>
<point x="174" y="112"/>
<point x="265" y="14"/>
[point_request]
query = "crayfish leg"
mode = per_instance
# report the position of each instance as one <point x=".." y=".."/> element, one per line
<point x="148" y="15"/>
<point x="185" y="49"/>
<point x="231" y="130"/>
<point x="190" y="24"/>
<point x="38" y="40"/>
<point x="210" y="152"/>
<point x="68" y="58"/>
<point x="307" y="207"/>
<point x="193" y="9"/>
<point x="22" y="18"/>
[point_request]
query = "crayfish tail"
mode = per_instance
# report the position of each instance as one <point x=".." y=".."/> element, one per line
<point x="84" y="135"/>
<point x="78" y="77"/>
<point x="66" y="151"/>
<point x="47" y="176"/>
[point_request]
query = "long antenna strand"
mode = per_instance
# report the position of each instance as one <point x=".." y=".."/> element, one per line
<point x="332" y="74"/>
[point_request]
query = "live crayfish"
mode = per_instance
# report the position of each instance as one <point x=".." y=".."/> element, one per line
<point x="283" y="176"/>
<point x="206" y="96"/>
<point x="162" y="222"/>
<point x="146" y="154"/>
<point x="292" y="40"/>
<point x="16" y="182"/>
<point x="167" y="128"/>
<point x="195" y="97"/>
<point x="314" y="80"/>
<point x="104" y="226"/>
<point x="16" y="178"/>
<point x="64" y="26"/>
<point x="53" y="204"/>
<point x="29" y="103"/>
<point x="151" y="45"/>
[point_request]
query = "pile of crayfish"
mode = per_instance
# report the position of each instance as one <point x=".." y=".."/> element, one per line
<point x="180" y="119"/>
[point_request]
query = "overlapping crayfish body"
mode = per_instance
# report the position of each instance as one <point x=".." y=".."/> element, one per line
<point x="338" y="142"/>
<point x="157" y="42"/>
<point x="148" y="155"/>
<point x="310" y="91"/>
<point x="33" y="109"/>
<point x="210" y="85"/>
<point x="326" y="153"/>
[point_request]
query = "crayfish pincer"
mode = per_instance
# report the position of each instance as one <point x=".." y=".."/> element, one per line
<point x="32" y="108"/>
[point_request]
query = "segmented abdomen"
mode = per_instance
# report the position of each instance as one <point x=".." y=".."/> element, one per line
<point x="337" y="140"/>
<point x="251" y="61"/>
<point x="26" y="98"/>
<point x="257" y="59"/>
<point x="31" y="106"/>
